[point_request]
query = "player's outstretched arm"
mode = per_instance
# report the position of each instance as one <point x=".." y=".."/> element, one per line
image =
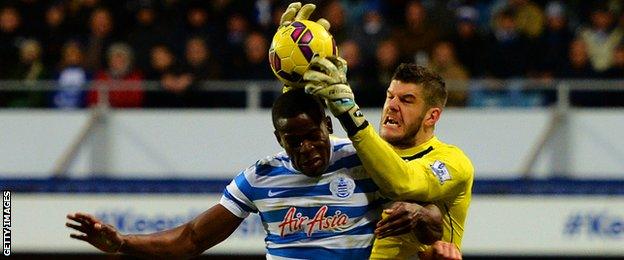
<point x="190" y="239"/>
<point x="403" y="217"/>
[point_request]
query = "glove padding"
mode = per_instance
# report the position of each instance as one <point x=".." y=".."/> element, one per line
<point x="327" y="78"/>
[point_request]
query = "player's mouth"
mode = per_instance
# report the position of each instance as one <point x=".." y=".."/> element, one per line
<point x="313" y="162"/>
<point x="391" y="122"/>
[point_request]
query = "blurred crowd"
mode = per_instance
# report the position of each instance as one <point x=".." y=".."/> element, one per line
<point x="180" y="44"/>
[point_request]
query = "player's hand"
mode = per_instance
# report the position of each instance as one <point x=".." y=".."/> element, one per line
<point x="296" y="12"/>
<point x="402" y="218"/>
<point x="327" y="78"/>
<point x="93" y="231"/>
<point x="445" y="251"/>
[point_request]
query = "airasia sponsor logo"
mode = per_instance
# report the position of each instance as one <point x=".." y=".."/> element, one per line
<point x="295" y="221"/>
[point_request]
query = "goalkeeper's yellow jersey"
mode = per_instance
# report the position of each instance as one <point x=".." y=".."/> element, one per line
<point x="432" y="172"/>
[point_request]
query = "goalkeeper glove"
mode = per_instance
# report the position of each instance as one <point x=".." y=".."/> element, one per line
<point x="327" y="78"/>
<point x="296" y="12"/>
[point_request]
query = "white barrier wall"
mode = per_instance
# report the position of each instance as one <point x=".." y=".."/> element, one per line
<point x="507" y="225"/>
<point x="220" y="143"/>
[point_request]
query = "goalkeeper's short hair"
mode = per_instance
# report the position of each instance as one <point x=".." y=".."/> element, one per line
<point x="295" y="102"/>
<point x="434" y="88"/>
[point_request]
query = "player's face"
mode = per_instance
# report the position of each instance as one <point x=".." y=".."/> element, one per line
<point x="306" y="143"/>
<point x="403" y="114"/>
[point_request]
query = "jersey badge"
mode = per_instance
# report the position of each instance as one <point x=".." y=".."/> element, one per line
<point x="342" y="187"/>
<point x="440" y="171"/>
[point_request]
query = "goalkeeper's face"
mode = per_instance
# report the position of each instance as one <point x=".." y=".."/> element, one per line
<point x="403" y="114"/>
<point x="306" y="142"/>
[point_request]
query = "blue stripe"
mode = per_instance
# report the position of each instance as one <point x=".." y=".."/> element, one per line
<point x="244" y="186"/>
<point x="227" y="194"/>
<point x="352" y="212"/>
<point x="345" y="162"/>
<point x="560" y="187"/>
<point x="361" y="186"/>
<point x="338" y="146"/>
<point x="283" y="159"/>
<point x="268" y="170"/>
<point x="322" y="253"/>
<point x="367" y="229"/>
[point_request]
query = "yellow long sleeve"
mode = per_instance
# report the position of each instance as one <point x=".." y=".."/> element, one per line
<point x="431" y="172"/>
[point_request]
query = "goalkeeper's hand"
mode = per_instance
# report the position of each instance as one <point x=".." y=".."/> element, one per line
<point x="296" y="12"/>
<point x="327" y="78"/>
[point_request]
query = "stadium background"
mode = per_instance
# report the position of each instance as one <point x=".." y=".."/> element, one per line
<point x="536" y="96"/>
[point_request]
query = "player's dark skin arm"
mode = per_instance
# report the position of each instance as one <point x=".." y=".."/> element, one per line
<point x="403" y="217"/>
<point x="188" y="240"/>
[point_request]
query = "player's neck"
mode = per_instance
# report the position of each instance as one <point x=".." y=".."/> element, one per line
<point x="423" y="136"/>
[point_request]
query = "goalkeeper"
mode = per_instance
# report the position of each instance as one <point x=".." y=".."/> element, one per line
<point x="405" y="159"/>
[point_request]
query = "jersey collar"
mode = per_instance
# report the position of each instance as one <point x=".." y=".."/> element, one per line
<point x="418" y="151"/>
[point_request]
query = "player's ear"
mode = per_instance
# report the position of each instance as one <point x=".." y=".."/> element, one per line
<point x="330" y="127"/>
<point x="277" y="137"/>
<point x="432" y="116"/>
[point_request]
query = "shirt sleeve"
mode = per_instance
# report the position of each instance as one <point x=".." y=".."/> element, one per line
<point x="237" y="197"/>
<point x="429" y="179"/>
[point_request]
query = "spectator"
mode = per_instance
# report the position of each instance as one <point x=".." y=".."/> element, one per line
<point x="263" y="11"/>
<point x="202" y="66"/>
<point x="617" y="68"/>
<point x="577" y="65"/>
<point x="161" y="60"/>
<point x="444" y="62"/>
<point x="508" y="50"/>
<point x="147" y="33"/>
<point x="334" y="12"/>
<point x="469" y="42"/>
<point x="79" y="13"/>
<point x="554" y="43"/>
<point x="256" y="67"/>
<point x="197" y="23"/>
<point x="54" y="33"/>
<point x="10" y="36"/>
<point x="529" y="17"/>
<point x="350" y="51"/>
<point x="601" y="38"/>
<point x="99" y="38"/>
<point x="199" y="60"/>
<point x="256" y="64"/>
<point x="28" y="71"/>
<point x="372" y="30"/>
<point x="30" y="12"/>
<point x="237" y="31"/>
<point x="417" y="38"/>
<point x="173" y="89"/>
<point x="616" y="72"/>
<point x="121" y="80"/>
<point x="387" y="58"/>
<point x="72" y="78"/>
